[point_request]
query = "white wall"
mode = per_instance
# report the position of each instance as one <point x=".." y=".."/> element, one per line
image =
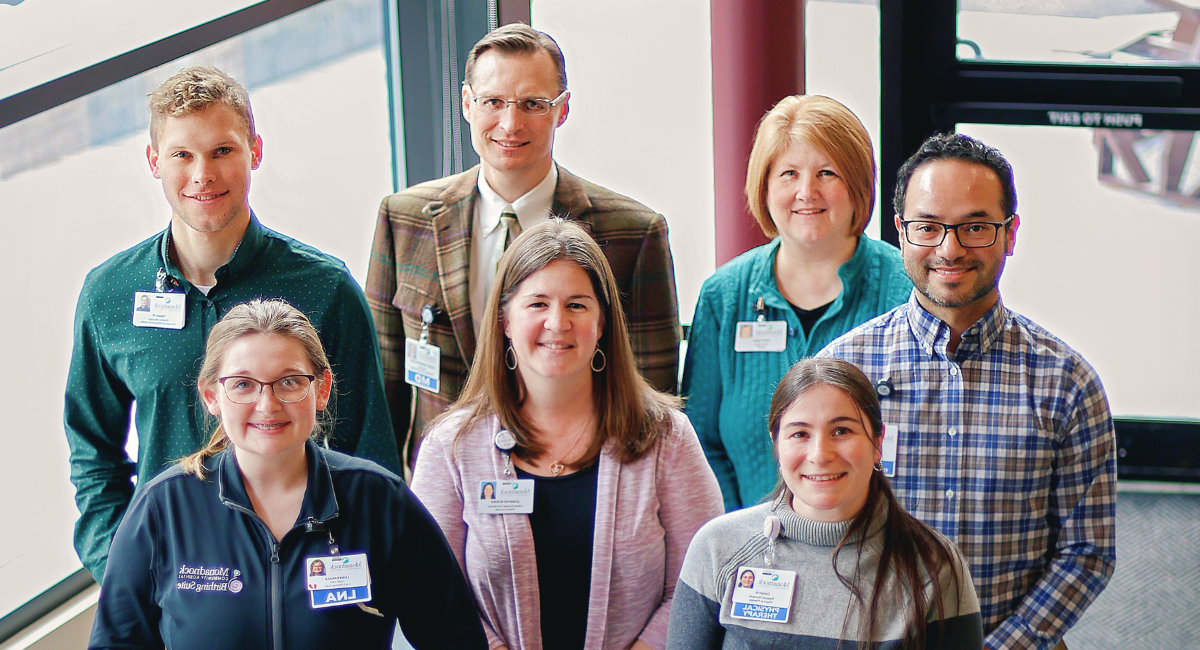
<point x="640" y="75"/>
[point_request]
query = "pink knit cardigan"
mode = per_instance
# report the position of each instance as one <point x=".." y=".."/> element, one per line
<point x="646" y="514"/>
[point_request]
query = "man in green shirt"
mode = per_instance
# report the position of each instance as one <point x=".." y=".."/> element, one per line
<point x="144" y="315"/>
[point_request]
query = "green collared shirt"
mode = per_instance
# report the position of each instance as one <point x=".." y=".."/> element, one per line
<point x="115" y="365"/>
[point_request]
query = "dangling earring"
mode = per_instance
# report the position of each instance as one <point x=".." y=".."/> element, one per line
<point x="510" y="358"/>
<point x="603" y="360"/>
<point x="879" y="465"/>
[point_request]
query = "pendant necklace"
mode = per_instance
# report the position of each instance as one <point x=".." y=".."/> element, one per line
<point x="557" y="466"/>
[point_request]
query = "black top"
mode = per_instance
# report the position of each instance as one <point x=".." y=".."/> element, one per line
<point x="192" y="567"/>
<point x="809" y="317"/>
<point x="564" y="523"/>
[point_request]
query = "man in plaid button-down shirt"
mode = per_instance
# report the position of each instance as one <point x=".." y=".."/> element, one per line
<point x="437" y="243"/>
<point x="1005" y="439"/>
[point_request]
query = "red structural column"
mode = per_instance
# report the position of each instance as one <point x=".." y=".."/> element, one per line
<point x="513" y="11"/>
<point x="757" y="59"/>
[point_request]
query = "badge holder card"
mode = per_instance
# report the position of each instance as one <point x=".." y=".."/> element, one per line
<point x="760" y="336"/>
<point x="764" y="594"/>
<point x="891" y="444"/>
<point x="507" y="496"/>
<point x="422" y="360"/>
<point x="336" y="580"/>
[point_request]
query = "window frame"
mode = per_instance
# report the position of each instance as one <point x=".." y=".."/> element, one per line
<point x="926" y="89"/>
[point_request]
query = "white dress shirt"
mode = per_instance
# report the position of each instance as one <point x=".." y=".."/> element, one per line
<point x="487" y="233"/>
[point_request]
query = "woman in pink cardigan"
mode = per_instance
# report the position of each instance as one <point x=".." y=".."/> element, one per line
<point x="598" y="481"/>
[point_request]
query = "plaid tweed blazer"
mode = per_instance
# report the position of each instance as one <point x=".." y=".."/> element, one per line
<point x="421" y="255"/>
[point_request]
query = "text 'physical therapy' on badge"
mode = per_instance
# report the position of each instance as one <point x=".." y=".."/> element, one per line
<point x="763" y="594"/>
<point x="509" y="497"/>
<point x="337" y="580"/>
<point x="760" y="336"/>
<point x="422" y="365"/>
<point x="160" y="310"/>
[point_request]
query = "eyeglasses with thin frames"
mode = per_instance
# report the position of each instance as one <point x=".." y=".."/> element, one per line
<point x="970" y="234"/>
<point x="247" y="390"/>
<point x="533" y="106"/>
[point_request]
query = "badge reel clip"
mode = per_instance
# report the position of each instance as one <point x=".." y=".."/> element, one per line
<point x="314" y="526"/>
<point x="771" y="529"/>
<point x="884" y="387"/>
<point x="161" y="279"/>
<point x="505" y="442"/>
<point x="760" y="308"/>
<point x="428" y="312"/>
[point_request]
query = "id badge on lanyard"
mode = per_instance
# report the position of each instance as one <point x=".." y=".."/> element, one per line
<point x="764" y="593"/>
<point x="160" y="309"/>
<point x="423" y="360"/>
<point x="336" y="580"/>
<point x="507" y="496"/>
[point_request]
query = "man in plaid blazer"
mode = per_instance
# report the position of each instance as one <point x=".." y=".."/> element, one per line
<point x="437" y="243"/>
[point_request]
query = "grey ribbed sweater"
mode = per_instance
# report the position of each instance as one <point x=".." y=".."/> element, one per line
<point x="824" y="614"/>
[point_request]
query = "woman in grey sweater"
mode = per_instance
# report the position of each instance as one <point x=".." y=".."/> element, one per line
<point x="830" y="560"/>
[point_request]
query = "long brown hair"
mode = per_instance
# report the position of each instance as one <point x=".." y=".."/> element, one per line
<point x="908" y="544"/>
<point x="629" y="411"/>
<point x="256" y="317"/>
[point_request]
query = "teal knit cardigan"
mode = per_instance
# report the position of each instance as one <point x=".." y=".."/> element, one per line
<point x="728" y="393"/>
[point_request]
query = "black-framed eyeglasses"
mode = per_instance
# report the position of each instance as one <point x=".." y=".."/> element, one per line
<point x="970" y="234"/>
<point x="247" y="390"/>
<point x="533" y="106"/>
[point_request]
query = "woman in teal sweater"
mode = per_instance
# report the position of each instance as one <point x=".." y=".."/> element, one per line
<point x="810" y="184"/>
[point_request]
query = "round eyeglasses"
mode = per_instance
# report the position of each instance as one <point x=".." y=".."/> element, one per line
<point x="247" y="390"/>
<point x="970" y="234"/>
<point x="534" y="106"/>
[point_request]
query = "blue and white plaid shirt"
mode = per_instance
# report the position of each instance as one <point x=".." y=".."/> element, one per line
<point x="1006" y="445"/>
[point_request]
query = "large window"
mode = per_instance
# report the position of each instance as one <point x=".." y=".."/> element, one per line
<point x="46" y="40"/>
<point x="1106" y="176"/>
<point x="1101" y="32"/>
<point x="75" y="189"/>
<point x="1104" y="258"/>
<point x="1093" y="102"/>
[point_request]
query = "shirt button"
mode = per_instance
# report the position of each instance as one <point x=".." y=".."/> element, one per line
<point x="949" y="494"/>
<point x="953" y="370"/>
<point x="953" y="432"/>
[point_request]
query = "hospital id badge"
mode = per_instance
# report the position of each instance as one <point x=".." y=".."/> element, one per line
<point x="891" y="443"/>
<point x="337" y="580"/>
<point x="760" y="336"/>
<point x="159" y="310"/>
<point x="763" y="594"/>
<point x="509" y="497"/>
<point x="422" y="365"/>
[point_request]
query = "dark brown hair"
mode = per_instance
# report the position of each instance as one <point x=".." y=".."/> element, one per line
<point x="956" y="146"/>
<point x="908" y="544"/>
<point x="275" y="317"/>
<point x="518" y="38"/>
<point x="629" y="411"/>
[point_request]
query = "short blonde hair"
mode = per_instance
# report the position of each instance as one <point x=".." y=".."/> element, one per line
<point x="194" y="89"/>
<point x="831" y="127"/>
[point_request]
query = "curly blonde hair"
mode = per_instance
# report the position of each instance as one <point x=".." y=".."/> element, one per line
<point x="194" y="89"/>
